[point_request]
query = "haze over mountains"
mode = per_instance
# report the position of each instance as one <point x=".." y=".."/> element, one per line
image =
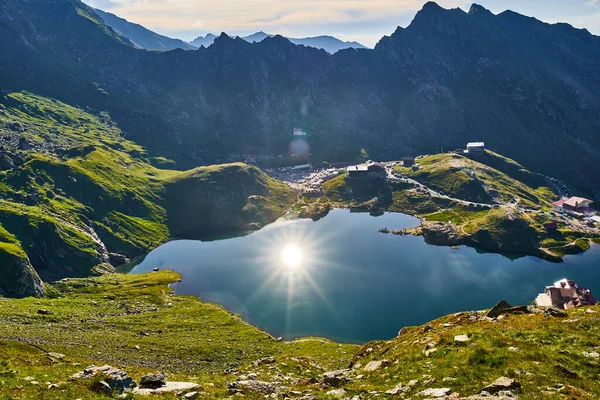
<point x="328" y="43"/>
<point x="140" y="36"/>
<point x="147" y="39"/>
<point x="530" y="90"/>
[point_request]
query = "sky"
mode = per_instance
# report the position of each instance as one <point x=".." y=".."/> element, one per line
<point x="365" y="21"/>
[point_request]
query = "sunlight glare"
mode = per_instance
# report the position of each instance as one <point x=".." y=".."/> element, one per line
<point x="291" y="256"/>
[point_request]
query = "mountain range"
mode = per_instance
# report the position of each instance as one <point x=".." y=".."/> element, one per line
<point x="146" y="39"/>
<point x="328" y="43"/>
<point x="529" y="89"/>
<point x="140" y="36"/>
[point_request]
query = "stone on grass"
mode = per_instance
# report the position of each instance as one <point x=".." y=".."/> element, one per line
<point x="335" y="378"/>
<point x="336" y="393"/>
<point x="252" y="386"/>
<point x="372" y="366"/>
<point x="170" y="387"/>
<point x="555" y="312"/>
<point x="398" y="389"/>
<point x="434" y="393"/>
<point x="102" y="387"/>
<point x="190" y="396"/>
<point x="117" y="379"/>
<point x="153" y="381"/>
<point x="56" y="356"/>
<point x="498" y="308"/>
<point x="593" y="354"/>
<point x="461" y="338"/>
<point x="503" y="384"/>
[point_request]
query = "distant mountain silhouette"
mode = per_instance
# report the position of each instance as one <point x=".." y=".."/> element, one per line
<point x="327" y="43"/>
<point x="140" y="36"/>
<point x="530" y="90"/>
<point x="203" y="40"/>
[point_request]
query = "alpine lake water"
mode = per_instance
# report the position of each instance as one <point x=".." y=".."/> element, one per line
<point x="341" y="279"/>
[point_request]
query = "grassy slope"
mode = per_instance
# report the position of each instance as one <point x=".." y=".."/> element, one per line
<point x="190" y="340"/>
<point x="81" y="191"/>
<point x="499" y="229"/>
<point x="197" y="341"/>
<point x="208" y="200"/>
<point x="465" y="178"/>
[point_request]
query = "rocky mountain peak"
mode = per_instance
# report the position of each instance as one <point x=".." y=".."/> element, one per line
<point x="476" y="9"/>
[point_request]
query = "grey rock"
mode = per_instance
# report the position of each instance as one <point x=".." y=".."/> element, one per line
<point x="555" y="312"/>
<point x="502" y="384"/>
<point x="117" y="379"/>
<point x="153" y="381"/>
<point x="372" y="366"/>
<point x="102" y="387"/>
<point x="170" y="387"/>
<point x="498" y="308"/>
<point x="252" y="386"/>
<point x="435" y="393"/>
<point x="265" y="360"/>
<point x="461" y="338"/>
<point x="593" y="354"/>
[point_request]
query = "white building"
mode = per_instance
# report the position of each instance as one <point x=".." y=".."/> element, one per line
<point x="474" y="147"/>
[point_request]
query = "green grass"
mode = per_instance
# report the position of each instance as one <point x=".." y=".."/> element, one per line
<point x="189" y="339"/>
<point x="196" y="341"/>
<point x="80" y="179"/>
<point x="484" y="178"/>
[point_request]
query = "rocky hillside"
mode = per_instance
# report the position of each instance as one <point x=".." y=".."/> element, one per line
<point x="76" y="198"/>
<point x="530" y="90"/>
<point x="140" y="36"/>
<point x="146" y="336"/>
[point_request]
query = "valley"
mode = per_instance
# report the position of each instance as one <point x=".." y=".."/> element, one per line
<point x="164" y="234"/>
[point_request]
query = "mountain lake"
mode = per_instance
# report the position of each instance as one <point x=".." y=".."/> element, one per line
<point x="342" y="279"/>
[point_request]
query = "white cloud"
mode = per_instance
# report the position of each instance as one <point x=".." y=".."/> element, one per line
<point x="592" y="3"/>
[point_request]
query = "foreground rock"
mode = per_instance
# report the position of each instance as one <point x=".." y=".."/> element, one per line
<point x="170" y="387"/>
<point x="335" y="378"/>
<point x="251" y="386"/>
<point x="435" y="393"/>
<point x="115" y="380"/>
<point x="153" y="381"/>
<point x="502" y="384"/>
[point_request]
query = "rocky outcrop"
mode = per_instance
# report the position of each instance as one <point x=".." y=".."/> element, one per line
<point x="441" y="234"/>
<point x="502" y="384"/>
<point x="115" y="380"/>
<point x="17" y="276"/>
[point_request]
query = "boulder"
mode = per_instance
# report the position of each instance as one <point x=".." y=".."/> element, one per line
<point x="153" y="381"/>
<point x="498" y="308"/>
<point x="461" y="338"/>
<point x="555" y="312"/>
<point x="265" y="360"/>
<point x="502" y="384"/>
<point x="372" y="366"/>
<point x="117" y="379"/>
<point x="435" y="393"/>
<point x="252" y="386"/>
<point x="170" y="387"/>
<point x="56" y="356"/>
<point x="335" y="378"/>
<point x="397" y="390"/>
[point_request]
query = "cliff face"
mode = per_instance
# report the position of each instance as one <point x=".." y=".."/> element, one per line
<point x="528" y="89"/>
<point x="17" y="276"/>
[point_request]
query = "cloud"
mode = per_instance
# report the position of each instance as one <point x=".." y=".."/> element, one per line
<point x="592" y="3"/>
